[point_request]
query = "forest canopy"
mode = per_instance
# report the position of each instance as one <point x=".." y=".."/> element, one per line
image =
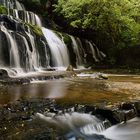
<point x="116" y="20"/>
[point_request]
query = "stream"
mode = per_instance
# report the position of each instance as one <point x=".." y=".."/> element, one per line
<point x="84" y="89"/>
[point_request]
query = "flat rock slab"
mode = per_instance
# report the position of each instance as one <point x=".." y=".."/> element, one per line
<point x="27" y="78"/>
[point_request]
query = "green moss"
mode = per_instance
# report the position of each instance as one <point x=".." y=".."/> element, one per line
<point x="66" y="39"/>
<point x="3" y="10"/>
<point x="58" y="33"/>
<point x="36" y="29"/>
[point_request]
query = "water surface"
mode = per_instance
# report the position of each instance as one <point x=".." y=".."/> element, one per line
<point x="84" y="89"/>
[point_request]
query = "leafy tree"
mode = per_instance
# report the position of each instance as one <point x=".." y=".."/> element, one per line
<point x="113" y="21"/>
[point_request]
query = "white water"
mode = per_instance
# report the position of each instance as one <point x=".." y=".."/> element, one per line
<point x="58" y="49"/>
<point x="38" y="21"/>
<point x="68" y="121"/>
<point x="34" y="55"/>
<point x="12" y="4"/>
<point x="124" y="131"/>
<point x="59" y="57"/>
<point x="77" y="51"/>
<point x="29" y="54"/>
<point x="27" y="17"/>
<point x="14" y="54"/>
<point x="89" y="127"/>
<point x="93" y="52"/>
<point x="100" y="54"/>
<point x="19" y="6"/>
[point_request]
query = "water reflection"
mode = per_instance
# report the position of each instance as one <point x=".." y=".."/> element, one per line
<point x="83" y="90"/>
<point x="46" y="89"/>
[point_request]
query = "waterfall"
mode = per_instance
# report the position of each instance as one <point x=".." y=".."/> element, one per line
<point x="58" y="49"/>
<point x="24" y="51"/>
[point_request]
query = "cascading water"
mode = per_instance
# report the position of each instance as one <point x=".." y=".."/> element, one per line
<point x="14" y="54"/>
<point x="11" y="4"/>
<point x="26" y="52"/>
<point x="58" y="49"/>
<point x="26" y="16"/>
<point x="93" y="52"/>
<point x="83" y="126"/>
<point x="76" y="124"/>
<point x="77" y="49"/>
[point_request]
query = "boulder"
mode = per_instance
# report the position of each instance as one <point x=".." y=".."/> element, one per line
<point x="137" y="108"/>
<point x="70" y="68"/>
<point x="3" y="74"/>
<point x="103" y="76"/>
<point x="126" y="106"/>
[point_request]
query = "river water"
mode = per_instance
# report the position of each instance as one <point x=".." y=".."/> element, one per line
<point x="83" y="89"/>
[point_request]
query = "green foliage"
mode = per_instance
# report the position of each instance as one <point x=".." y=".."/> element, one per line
<point x="117" y="21"/>
<point x="3" y="10"/>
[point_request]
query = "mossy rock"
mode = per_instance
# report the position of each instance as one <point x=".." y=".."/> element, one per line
<point x="36" y="29"/>
<point x="3" y="10"/>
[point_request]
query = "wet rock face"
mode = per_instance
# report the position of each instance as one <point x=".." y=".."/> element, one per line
<point x="126" y="106"/>
<point x="11" y="23"/>
<point x="137" y="108"/>
<point x="3" y="74"/>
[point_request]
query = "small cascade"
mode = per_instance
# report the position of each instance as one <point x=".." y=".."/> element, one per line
<point x="98" y="128"/>
<point x="17" y="10"/>
<point x="20" y="51"/>
<point x="74" y="124"/>
<point x="69" y="121"/>
<point x="28" y="59"/>
<point x="38" y="21"/>
<point x="93" y="52"/>
<point x="78" y="51"/>
<point x="14" y="54"/>
<point x="58" y="49"/>
<point x="12" y="4"/>
<point x="26" y="16"/>
<point x="35" y="55"/>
